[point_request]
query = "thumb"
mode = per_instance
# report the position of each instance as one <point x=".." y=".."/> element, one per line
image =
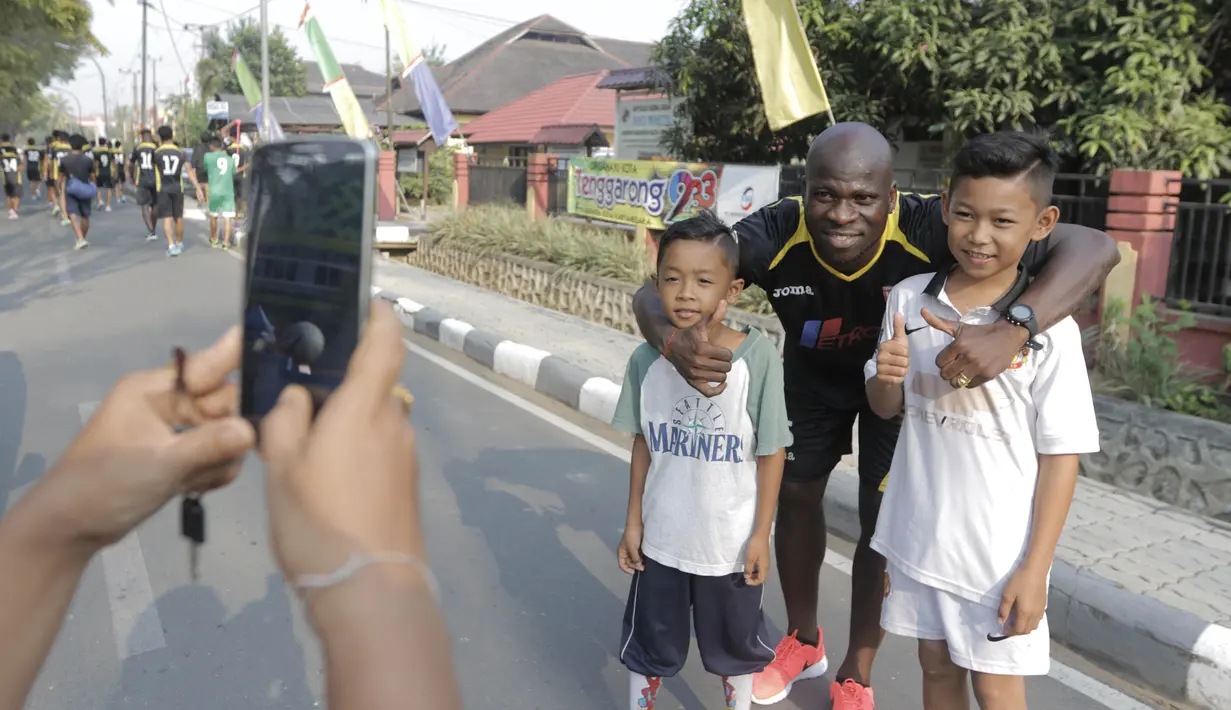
<point x="945" y="326"/>
<point x="209" y="445"/>
<point x="899" y="327"/>
<point x="285" y="428"/>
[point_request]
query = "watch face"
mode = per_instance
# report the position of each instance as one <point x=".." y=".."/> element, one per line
<point x="1021" y="312"/>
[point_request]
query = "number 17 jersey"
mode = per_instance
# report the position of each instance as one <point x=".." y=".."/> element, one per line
<point x="169" y="168"/>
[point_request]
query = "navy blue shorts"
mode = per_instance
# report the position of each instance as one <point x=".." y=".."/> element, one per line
<point x="72" y="205"/>
<point x="665" y="604"/>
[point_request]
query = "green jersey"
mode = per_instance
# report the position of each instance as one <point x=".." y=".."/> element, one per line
<point x="220" y="168"/>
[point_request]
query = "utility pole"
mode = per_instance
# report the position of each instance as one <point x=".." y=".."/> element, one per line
<point x="389" y="88"/>
<point x="266" y="98"/>
<point x="154" y="91"/>
<point x="103" y="77"/>
<point x="145" y="7"/>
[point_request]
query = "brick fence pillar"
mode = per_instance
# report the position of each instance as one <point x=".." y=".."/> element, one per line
<point x="461" y="179"/>
<point x="537" y="185"/>
<point x="386" y="185"/>
<point x="1141" y="217"/>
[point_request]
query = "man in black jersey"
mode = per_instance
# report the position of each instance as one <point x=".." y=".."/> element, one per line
<point x="121" y="169"/>
<point x="104" y="163"/>
<point x="827" y="260"/>
<point x="58" y="149"/>
<point x="169" y="170"/>
<point x="11" y="168"/>
<point x="34" y="166"/>
<point x="145" y="180"/>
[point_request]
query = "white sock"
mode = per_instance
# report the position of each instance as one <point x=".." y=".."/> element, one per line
<point x="642" y="691"/>
<point x="738" y="691"/>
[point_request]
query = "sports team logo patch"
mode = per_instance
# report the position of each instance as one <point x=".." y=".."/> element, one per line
<point x="1021" y="358"/>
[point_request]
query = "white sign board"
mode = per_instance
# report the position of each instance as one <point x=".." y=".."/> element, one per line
<point x="217" y="109"/>
<point x="640" y="125"/>
<point x="744" y="189"/>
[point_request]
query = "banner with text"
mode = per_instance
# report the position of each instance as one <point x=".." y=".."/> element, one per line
<point x="656" y="193"/>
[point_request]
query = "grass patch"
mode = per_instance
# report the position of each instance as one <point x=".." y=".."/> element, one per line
<point x="613" y="254"/>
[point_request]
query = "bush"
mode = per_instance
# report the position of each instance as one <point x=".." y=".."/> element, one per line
<point x="610" y="253"/>
<point x="439" y="179"/>
<point x="1145" y="367"/>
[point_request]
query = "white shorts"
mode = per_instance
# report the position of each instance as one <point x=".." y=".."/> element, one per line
<point x="224" y="215"/>
<point x="915" y="610"/>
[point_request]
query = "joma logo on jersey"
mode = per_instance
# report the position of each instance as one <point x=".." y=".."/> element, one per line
<point x="792" y="291"/>
<point x="828" y="335"/>
<point x="694" y="444"/>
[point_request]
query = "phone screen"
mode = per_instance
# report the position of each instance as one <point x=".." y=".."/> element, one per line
<point x="308" y="252"/>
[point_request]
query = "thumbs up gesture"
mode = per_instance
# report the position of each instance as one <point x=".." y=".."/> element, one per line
<point x="893" y="355"/>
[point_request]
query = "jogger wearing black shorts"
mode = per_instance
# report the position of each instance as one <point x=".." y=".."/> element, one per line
<point x="145" y="180"/>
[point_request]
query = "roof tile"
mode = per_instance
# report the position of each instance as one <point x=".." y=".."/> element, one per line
<point x="574" y="100"/>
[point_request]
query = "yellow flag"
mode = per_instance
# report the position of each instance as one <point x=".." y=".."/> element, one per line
<point x="790" y="82"/>
<point x="399" y="35"/>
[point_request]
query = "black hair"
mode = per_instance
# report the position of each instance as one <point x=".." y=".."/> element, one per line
<point x="147" y="133"/>
<point x="164" y="133"/>
<point x="29" y="141"/>
<point x="207" y="136"/>
<point x="102" y="141"/>
<point x="77" y="141"/>
<point x="703" y="227"/>
<point x="49" y="139"/>
<point x="214" y="140"/>
<point x="117" y="143"/>
<point x="1007" y="155"/>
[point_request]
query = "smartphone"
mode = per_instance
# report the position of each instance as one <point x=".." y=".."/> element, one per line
<point x="312" y="209"/>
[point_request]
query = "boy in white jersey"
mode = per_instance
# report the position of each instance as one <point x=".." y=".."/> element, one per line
<point x="704" y="482"/>
<point x="982" y="478"/>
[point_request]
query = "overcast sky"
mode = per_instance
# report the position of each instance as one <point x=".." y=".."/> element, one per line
<point x="353" y="27"/>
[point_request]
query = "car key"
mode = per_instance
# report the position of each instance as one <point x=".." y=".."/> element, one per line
<point x="192" y="513"/>
<point x="192" y="526"/>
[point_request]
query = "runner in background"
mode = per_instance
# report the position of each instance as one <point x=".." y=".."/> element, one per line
<point x="219" y="167"/>
<point x="145" y="180"/>
<point x="10" y="163"/>
<point x="121" y="173"/>
<point x="34" y="166"/>
<point x="104" y="166"/>
<point x="59" y="149"/>
<point x="169" y="175"/>
<point x="48" y="180"/>
<point x="76" y="166"/>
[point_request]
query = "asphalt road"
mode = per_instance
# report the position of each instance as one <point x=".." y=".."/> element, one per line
<point x="523" y="502"/>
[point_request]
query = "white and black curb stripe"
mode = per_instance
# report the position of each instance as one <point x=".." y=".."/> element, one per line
<point x="545" y="373"/>
<point x="1170" y="650"/>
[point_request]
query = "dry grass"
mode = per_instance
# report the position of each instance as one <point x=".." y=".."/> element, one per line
<point x="500" y="229"/>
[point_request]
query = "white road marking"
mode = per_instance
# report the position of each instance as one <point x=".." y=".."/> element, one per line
<point x="62" y="271"/>
<point x="134" y="614"/>
<point x="1092" y="688"/>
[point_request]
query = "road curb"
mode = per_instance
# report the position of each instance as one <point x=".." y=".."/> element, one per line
<point x="1171" y="651"/>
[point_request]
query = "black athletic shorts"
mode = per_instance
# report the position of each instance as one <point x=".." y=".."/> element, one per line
<point x="11" y="189"/>
<point x="171" y="204"/>
<point x="666" y="606"/>
<point x="147" y="195"/>
<point x="50" y="182"/>
<point x="823" y="437"/>
<point x="32" y="176"/>
<point x="105" y="182"/>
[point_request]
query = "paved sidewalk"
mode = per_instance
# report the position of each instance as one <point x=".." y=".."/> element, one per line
<point x="1138" y="586"/>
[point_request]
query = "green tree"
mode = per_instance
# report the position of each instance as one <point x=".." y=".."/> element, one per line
<point x="434" y="55"/>
<point x="41" y="40"/>
<point x="214" y="74"/>
<point x="1120" y="83"/>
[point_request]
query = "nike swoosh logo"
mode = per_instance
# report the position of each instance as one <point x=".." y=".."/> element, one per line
<point x="915" y="330"/>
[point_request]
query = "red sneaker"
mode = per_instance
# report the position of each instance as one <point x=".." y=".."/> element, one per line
<point x="792" y="661"/>
<point x="851" y="696"/>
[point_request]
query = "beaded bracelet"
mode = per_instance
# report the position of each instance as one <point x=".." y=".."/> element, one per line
<point x="355" y="563"/>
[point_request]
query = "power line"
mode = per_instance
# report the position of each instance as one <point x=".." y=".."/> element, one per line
<point x="463" y="13"/>
<point x="174" y="45"/>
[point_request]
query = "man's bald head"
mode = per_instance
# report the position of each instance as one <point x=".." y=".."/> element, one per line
<point x="849" y="193"/>
<point x="852" y="147"/>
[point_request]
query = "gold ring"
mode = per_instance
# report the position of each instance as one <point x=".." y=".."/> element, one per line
<point x="962" y="380"/>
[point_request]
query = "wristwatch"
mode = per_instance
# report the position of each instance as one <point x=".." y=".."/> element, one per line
<point x="1020" y="314"/>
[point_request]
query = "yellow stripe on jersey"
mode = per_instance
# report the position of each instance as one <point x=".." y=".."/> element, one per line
<point x="892" y="233"/>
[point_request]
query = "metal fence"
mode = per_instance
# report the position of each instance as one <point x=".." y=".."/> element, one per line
<point x="557" y="188"/>
<point x="497" y="183"/>
<point x="1082" y="199"/>
<point x="1200" y="274"/>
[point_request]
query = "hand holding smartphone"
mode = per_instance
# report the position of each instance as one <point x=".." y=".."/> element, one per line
<point x="311" y="209"/>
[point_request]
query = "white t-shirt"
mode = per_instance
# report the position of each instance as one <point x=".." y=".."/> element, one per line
<point x="700" y="500"/>
<point x="959" y="502"/>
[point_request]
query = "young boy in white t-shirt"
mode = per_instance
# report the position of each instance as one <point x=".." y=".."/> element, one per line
<point x="982" y="478"/>
<point x="704" y="482"/>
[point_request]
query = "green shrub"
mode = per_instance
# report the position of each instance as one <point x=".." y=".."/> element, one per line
<point x="439" y="179"/>
<point x="1145" y="367"/>
<point x="611" y="253"/>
